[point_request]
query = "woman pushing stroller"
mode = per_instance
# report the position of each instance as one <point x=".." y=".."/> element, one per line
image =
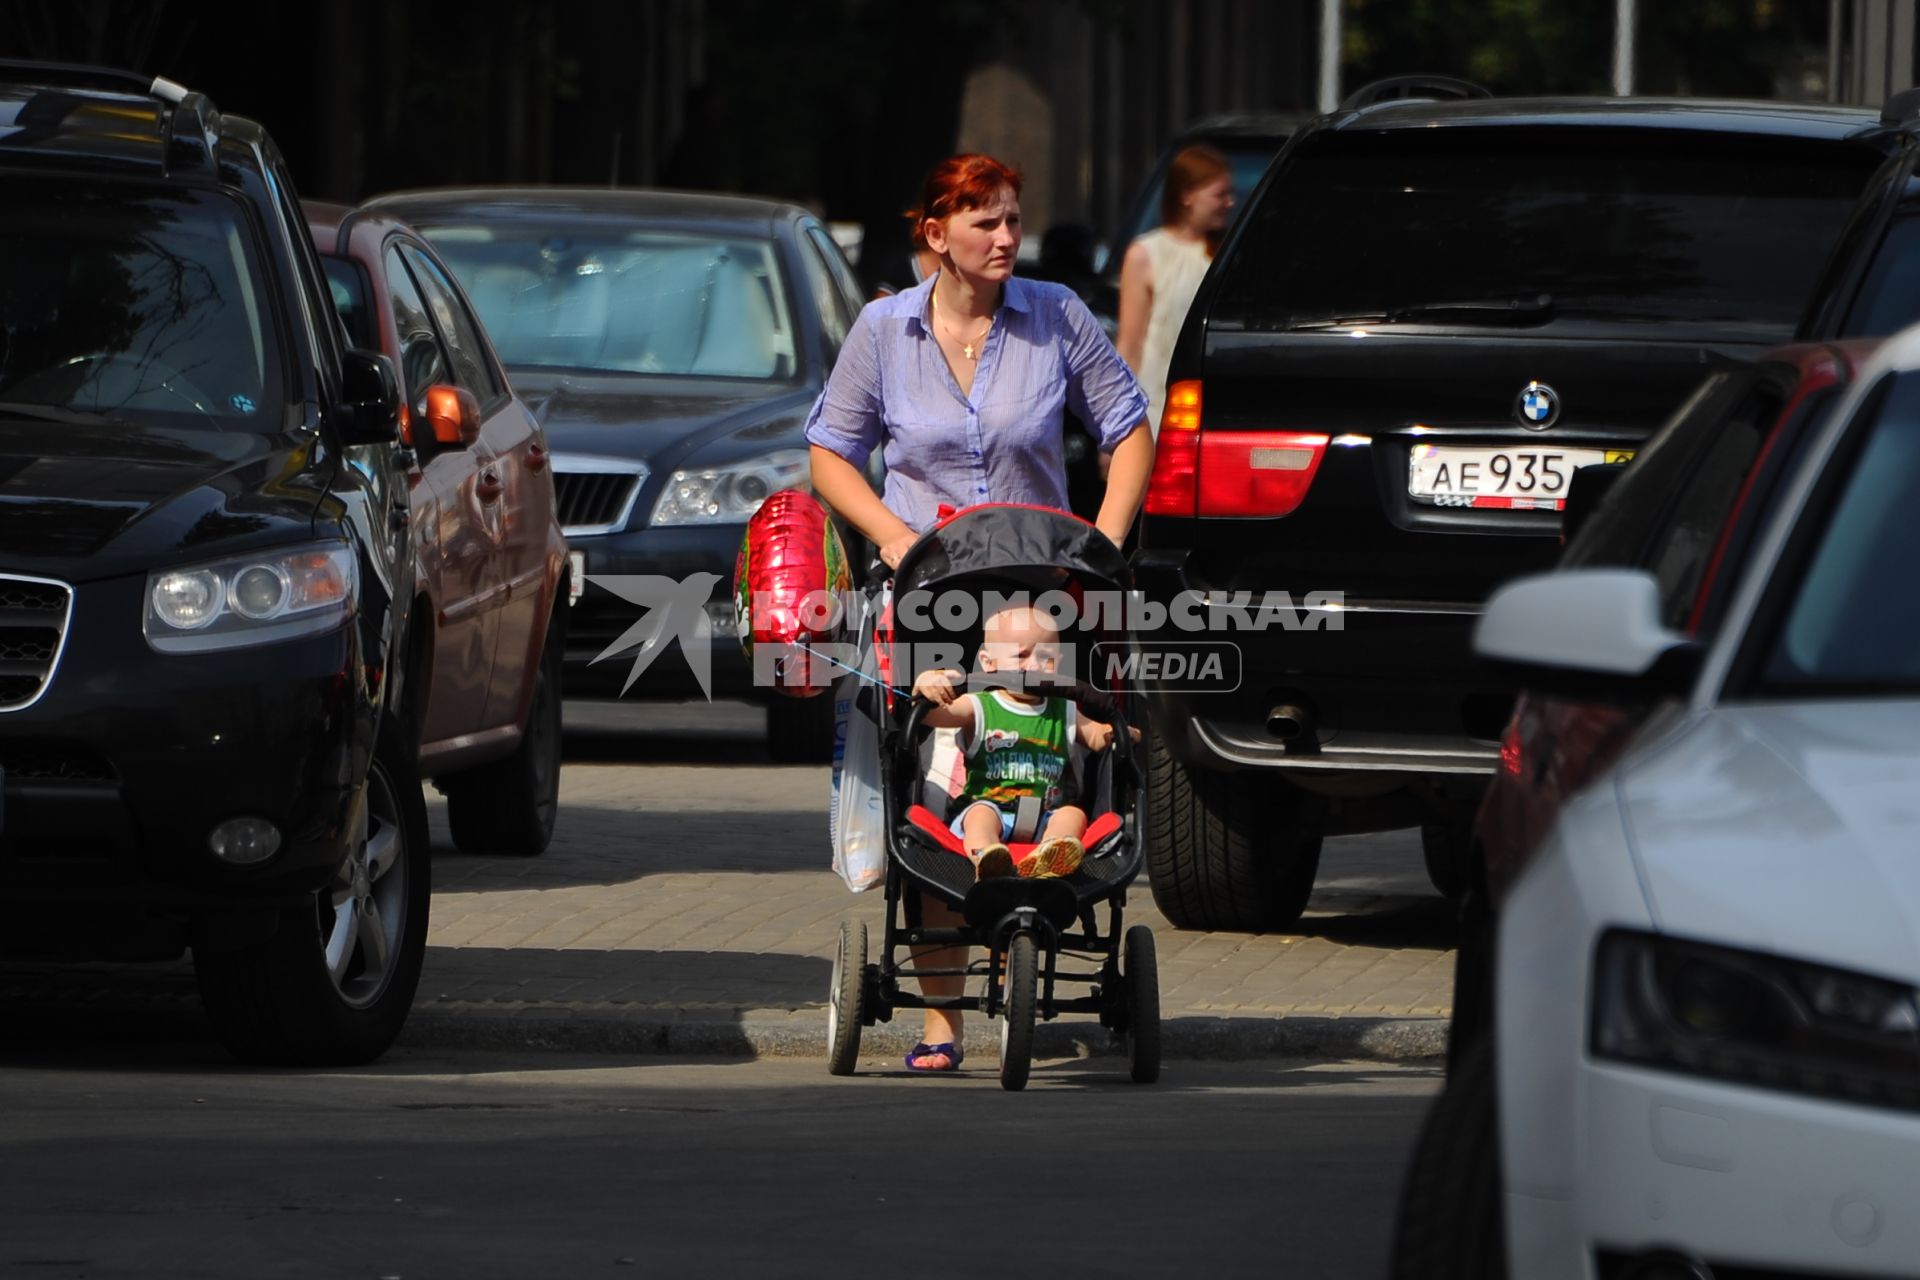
<point x="962" y="382"/>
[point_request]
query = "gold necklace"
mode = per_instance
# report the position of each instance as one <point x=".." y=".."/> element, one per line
<point x="966" y="348"/>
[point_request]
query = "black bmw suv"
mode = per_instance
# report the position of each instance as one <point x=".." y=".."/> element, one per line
<point x="1430" y="316"/>
<point x="204" y="567"/>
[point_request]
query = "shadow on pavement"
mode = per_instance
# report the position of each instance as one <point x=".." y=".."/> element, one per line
<point x="629" y="979"/>
<point x="1418" y="923"/>
<point x="637" y="732"/>
<point x="601" y="746"/>
<point x="631" y="1002"/>
<point x="615" y="846"/>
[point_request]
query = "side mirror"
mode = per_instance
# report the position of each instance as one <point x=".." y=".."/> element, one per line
<point x="453" y="417"/>
<point x="370" y="412"/>
<point x="1586" y="633"/>
<point x="1588" y="488"/>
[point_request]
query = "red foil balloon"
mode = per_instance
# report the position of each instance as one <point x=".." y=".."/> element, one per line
<point x="790" y="583"/>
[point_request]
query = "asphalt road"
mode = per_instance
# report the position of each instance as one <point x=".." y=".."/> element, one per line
<point x="154" y="1160"/>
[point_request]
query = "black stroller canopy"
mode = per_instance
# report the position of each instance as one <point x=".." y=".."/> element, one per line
<point x="1017" y="545"/>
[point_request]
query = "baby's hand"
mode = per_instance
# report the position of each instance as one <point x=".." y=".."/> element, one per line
<point x="938" y="686"/>
<point x="1099" y="736"/>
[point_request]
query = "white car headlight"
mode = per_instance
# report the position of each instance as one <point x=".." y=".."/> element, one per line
<point x="1756" y="1019"/>
<point x="249" y="600"/>
<point x="730" y="494"/>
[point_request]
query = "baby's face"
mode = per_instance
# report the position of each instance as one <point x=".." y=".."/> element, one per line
<point x="1020" y="640"/>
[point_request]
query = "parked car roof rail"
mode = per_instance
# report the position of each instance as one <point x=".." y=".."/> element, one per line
<point x="74" y="75"/>
<point x="193" y="134"/>
<point x="1902" y="108"/>
<point x="1396" y="88"/>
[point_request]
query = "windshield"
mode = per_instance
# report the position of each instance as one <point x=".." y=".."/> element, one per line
<point x="1708" y="237"/>
<point x="143" y="307"/>
<point x="1853" y="624"/>
<point x="648" y="302"/>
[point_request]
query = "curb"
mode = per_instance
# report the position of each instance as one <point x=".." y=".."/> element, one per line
<point x="802" y="1034"/>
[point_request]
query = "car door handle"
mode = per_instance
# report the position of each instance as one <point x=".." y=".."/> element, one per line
<point x="488" y="486"/>
<point x="536" y="457"/>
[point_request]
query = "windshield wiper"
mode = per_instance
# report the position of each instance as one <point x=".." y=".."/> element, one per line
<point x="55" y="413"/>
<point x="1528" y="309"/>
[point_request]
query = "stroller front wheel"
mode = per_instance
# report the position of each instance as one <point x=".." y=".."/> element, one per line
<point x="1142" y="978"/>
<point x="1016" y="1018"/>
<point x="844" y="1001"/>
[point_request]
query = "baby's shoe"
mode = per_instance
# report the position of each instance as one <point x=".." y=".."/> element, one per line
<point x="992" y="862"/>
<point x="1058" y="857"/>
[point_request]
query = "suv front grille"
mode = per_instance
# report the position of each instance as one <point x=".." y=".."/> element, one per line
<point x="33" y="629"/>
<point x="594" y="501"/>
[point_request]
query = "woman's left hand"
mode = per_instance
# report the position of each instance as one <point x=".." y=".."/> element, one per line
<point x="892" y="551"/>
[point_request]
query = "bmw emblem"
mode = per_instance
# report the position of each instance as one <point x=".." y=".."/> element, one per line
<point x="1538" y="406"/>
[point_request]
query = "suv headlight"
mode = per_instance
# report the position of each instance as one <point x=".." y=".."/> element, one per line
<point x="1756" y="1019"/>
<point x="730" y="494"/>
<point x="248" y="600"/>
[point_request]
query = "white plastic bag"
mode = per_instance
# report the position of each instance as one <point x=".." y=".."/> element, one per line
<point x="856" y="814"/>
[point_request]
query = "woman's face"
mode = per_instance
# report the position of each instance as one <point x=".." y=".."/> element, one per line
<point x="1209" y="204"/>
<point x="982" y="243"/>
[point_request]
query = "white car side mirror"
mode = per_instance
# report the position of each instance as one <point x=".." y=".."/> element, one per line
<point x="1575" y="627"/>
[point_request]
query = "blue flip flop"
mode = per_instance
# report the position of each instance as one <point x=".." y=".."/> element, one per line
<point x="952" y="1053"/>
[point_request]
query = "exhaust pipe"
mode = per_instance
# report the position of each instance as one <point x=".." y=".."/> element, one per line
<point x="1289" y="723"/>
<point x="1666" y="1265"/>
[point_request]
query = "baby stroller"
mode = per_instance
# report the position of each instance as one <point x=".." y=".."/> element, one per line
<point x="1045" y="951"/>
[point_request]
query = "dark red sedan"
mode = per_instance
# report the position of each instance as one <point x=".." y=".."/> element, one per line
<point x="492" y="564"/>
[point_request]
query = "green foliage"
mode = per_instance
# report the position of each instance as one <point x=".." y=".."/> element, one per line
<point x="1743" y="48"/>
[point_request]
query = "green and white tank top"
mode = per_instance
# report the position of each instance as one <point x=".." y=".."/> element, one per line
<point x="1019" y="749"/>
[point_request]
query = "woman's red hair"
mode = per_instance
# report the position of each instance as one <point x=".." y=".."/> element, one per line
<point x="957" y="183"/>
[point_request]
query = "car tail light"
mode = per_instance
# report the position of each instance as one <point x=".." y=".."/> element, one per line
<point x="1512" y="751"/>
<point x="1257" y="473"/>
<point x="1237" y="473"/>
<point x="1173" y="487"/>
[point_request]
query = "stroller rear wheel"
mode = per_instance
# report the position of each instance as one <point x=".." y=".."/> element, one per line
<point x="845" y="1001"/>
<point x="1142" y="976"/>
<point x="1016" y="1019"/>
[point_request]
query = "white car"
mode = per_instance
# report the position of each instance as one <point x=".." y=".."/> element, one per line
<point x="1706" y="1049"/>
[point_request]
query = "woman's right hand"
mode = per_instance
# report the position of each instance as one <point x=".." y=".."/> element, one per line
<point x="891" y="552"/>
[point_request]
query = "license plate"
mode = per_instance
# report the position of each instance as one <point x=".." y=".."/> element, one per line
<point x="576" y="576"/>
<point x="1513" y="479"/>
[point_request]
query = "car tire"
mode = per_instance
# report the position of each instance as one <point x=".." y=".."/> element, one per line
<point x="511" y="805"/>
<point x="280" y="1001"/>
<point x="1472" y="1020"/>
<point x="1228" y="850"/>
<point x="1450" y="1225"/>
<point x="1451" y="857"/>
<point x="800" y="730"/>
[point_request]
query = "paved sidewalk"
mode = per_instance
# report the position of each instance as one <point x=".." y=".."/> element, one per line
<point x="686" y="906"/>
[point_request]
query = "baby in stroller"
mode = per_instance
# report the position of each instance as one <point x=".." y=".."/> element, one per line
<point x="1018" y="745"/>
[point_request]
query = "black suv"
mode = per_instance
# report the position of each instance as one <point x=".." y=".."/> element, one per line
<point x="203" y="541"/>
<point x="1431" y="314"/>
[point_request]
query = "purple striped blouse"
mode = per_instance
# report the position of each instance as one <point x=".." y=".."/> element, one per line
<point x="891" y="387"/>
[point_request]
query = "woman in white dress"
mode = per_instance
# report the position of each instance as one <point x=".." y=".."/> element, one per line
<point x="1163" y="268"/>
